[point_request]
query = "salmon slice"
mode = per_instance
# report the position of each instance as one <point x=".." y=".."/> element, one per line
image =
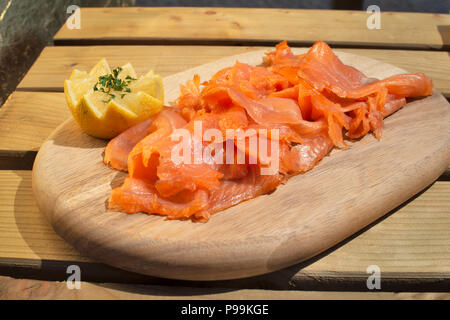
<point x="135" y="195"/>
<point x="162" y="125"/>
<point x="402" y="85"/>
<point x="393" y="103"/>
<point x="232" y="192"/>
<point x="155" y="154"/>
<point x="119" y="148"/>
<point x="173" y="178"/>
<point x="248" y="129"/>
<point x="282" y="56"/>
<point x="268" y="110"/>
<point x="323" y="70"/>
<point x="303" y="157"/>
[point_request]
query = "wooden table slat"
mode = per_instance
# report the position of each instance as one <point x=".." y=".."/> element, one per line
<point x="27" y="118"/>
<point x="250" y="25"/>
<point x="56" y="63"/>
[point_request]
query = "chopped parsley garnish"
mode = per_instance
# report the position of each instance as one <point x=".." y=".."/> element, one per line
<point x="111" y="82"/>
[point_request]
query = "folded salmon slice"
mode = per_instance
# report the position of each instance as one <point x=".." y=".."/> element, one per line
<point x="185" y="164"/>
<point x="118" y="149"/>
<point x="136" y="195"/>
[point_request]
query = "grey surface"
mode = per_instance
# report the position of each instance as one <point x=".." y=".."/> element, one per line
<point x="312" y="4"/>
<point x="26" y="27"/>
<point x="436" y="6"/>
<point x="429" y="6"/>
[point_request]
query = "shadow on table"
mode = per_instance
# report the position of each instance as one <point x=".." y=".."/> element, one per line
<point x="172" y="290"/>
<point x="114" y="278"/>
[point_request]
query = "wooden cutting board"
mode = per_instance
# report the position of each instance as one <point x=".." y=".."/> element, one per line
<point x="312" y="212"/>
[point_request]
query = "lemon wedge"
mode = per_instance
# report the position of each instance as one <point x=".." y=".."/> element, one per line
<point x="104" y="111"/>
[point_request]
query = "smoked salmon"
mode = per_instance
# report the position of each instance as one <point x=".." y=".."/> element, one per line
<point x="248" y="129"/>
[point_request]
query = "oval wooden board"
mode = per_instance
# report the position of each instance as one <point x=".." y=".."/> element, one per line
<point x="312" y="212"/>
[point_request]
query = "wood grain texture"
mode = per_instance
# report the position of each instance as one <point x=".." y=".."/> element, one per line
<point x="25" y="289"/>
<point x="55" y="64"/>
<point x="311" y="213"/>
<point x="24" y="232"/>
<point x="26" y="119"/>
<point x="241" y="25"/>
<point x="411" y="246"/>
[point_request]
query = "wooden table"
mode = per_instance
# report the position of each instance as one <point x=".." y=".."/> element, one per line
<point x="411" y="245"/>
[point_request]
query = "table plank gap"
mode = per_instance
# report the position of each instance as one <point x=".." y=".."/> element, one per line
<point x="55" y="64"/>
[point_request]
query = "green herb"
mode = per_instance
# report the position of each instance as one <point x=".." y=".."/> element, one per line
<point x="111" y="96"/>
<point x="111" y="81"/>
<point x="129" y="79"/>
